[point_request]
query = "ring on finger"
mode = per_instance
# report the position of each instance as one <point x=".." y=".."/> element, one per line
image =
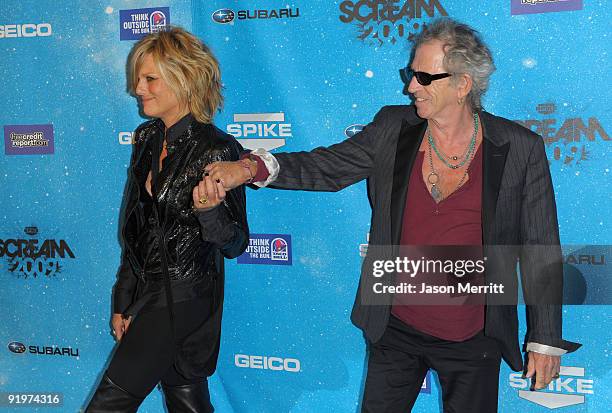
<point x="203" y="200"/>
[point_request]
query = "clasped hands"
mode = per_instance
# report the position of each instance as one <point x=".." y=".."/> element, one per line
<point x="208" y="193"/>
<point x="218" y="178"/>
<point x="232" y="174"/>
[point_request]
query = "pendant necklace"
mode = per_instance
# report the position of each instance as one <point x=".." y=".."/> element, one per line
<point x="434" y="178"/>
<point x="468" y="152"/>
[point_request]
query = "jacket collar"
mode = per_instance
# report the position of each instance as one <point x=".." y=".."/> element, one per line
<point x="180" y="127"/>
<point x="408" y="143"/>
<point x="178" y="132"/>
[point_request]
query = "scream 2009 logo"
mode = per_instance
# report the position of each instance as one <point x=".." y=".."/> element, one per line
<point x="31" y="257"/>
<point x="388" y="21"/>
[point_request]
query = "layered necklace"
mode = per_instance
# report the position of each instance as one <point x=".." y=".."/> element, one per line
<point x="434" y="178"/>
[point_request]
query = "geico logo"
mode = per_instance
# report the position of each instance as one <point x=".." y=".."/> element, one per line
<point x="125" y="138"/>
<point x="259" y="129"/>
<point x="26" y="30"/>
<point x="267" y="363"/>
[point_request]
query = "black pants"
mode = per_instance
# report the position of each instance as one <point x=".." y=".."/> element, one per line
<point x="397" y="364"/>
<point x="145" y="355"/>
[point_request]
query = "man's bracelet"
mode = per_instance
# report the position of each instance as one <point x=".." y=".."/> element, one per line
<point x="245" y="164"/>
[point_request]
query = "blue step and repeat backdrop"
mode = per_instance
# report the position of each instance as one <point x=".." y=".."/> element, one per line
<point x="297" y="75"/>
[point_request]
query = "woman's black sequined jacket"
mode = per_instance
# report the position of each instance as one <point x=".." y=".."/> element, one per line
<point x="194" y="242"/>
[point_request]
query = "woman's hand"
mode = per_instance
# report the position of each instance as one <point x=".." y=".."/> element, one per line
<point x="120" y="325"/>
<point x="232" y="174"/>
<point x="208" y="194"/>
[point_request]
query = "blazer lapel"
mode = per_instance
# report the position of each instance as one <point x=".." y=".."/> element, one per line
<point x="495" y="152"/>
<point x="408" y="143"/>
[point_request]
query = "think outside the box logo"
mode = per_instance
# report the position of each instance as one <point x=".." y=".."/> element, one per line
<point x="137" y="23"/>
<point x="271" y="249"/>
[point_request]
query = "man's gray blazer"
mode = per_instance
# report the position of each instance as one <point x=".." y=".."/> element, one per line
<point x="518" y="208"/>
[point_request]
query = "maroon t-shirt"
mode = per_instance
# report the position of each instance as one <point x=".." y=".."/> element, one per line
<point x="454" y="221"/>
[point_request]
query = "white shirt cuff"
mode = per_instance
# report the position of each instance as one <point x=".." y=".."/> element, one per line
<point x="271" y="164"/>
<point x="544" y="349"/>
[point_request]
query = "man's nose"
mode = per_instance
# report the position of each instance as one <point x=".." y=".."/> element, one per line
<point x="413" y="85"/>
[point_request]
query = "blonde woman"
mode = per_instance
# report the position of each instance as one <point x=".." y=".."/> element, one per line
<point x="177" y="226"/>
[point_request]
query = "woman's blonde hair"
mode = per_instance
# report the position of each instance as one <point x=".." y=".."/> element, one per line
<point x="186" y="65"/>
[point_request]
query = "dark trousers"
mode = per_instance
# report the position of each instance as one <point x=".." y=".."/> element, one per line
<point x="145" y="355"/>
<point x="397" y="364"/>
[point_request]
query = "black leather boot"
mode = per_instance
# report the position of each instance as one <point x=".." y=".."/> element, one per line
<point x="188" y="398"/>
<point x="110" y="398"/>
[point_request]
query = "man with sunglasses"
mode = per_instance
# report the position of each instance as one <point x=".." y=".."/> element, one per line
<point x="443" y="172"/>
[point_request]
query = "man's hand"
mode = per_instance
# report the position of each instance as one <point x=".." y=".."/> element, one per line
<point x="232" y="174"/>
<point x="545" y="369"/>
<point x="120" y="325"/>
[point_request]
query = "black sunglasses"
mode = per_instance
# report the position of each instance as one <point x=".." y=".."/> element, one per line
<point x="423" y="78"/>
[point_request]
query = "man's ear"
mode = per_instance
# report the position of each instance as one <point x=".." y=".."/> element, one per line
<point x="464" y="85"/>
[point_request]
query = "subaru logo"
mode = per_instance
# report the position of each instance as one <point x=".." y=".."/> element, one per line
<point x="546" y="108"/>
<point x="353" y="130"/>
<point x="17" y="347"/>
<point x="223" y="16"/>
<point x="31" y="230"/>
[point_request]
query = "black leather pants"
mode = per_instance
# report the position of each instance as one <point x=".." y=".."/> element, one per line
<point x="110" y="398"/>
<point x="145" y="357"/>
<point x="188" y="398"/>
